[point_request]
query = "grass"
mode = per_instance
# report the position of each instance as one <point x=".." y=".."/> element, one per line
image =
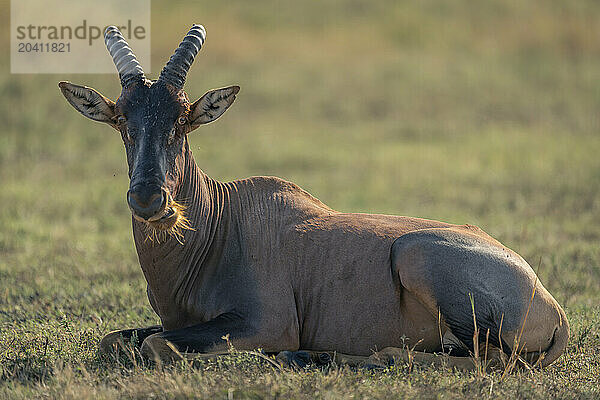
<point x="468" y="112"/>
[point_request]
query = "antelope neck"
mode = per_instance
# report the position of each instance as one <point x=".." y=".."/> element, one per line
<point x="170" y="266"/>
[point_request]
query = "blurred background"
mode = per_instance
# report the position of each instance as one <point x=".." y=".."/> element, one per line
<point x="468" y="112"/>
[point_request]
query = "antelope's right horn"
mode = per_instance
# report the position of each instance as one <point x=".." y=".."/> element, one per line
<point x="127" y="64"/>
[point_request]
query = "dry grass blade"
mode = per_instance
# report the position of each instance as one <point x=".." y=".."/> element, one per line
<point x="439" y="323"/>
<point x="266" y="358"/>
<point x="479" y="370"/>
<point x="176" y="231"/>
<point x="487" y="342"/>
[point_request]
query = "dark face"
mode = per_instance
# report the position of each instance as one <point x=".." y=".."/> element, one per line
<point x="153" y="121"/>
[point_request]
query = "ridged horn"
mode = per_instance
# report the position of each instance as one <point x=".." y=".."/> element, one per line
<point x="180" y="62"/>
<point x="127" y="64"/>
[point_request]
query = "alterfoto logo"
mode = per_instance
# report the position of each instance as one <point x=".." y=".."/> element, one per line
<point x="67" y="36"/>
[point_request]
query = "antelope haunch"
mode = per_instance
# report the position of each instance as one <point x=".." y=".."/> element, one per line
<point x="264" y="262"/>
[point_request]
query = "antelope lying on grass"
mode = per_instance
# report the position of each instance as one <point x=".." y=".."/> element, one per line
<point x="272" y="267"/>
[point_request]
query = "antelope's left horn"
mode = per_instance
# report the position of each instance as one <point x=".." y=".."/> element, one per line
<point x="180" y="62"/>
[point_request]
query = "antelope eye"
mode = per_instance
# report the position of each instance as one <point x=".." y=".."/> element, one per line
<point x="121" y="119"/>
<point x="181" y="120"/>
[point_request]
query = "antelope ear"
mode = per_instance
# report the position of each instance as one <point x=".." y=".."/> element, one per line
<point x="89" y="102"/>
<point x="212" y="105"/>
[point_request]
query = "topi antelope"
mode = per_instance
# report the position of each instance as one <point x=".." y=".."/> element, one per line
<point x="269" y="266"/>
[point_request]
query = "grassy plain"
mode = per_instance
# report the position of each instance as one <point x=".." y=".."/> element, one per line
<point x="469" y="112"/>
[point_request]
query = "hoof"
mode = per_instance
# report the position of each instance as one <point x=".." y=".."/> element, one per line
<point x="323" y="359"/>
<point x="160" y="350"/>
<point x="111" y="343"/>
<point x="294" y="359"/>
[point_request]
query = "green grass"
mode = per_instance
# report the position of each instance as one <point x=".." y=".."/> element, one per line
<point x="468" y="112"/>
